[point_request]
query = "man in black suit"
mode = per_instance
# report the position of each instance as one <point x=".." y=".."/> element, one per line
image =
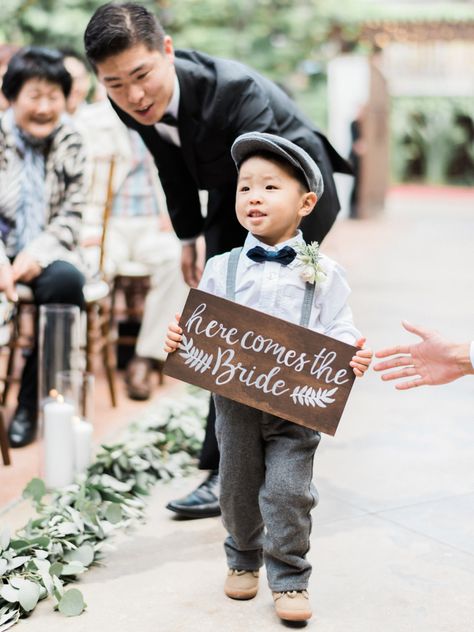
<point x="189" y="108"/>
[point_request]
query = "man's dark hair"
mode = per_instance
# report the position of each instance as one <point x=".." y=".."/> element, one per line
<point x="116" y="27"/>
<point x="35" y="62"/>
<point x="297" y="174"/>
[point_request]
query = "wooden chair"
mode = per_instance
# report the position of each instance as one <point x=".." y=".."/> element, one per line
<point x="129" y="289"/>
<point x="4" y="447"/>
<point x="22" y="336"/>
<point x="131" y="278"/>
<point x="98" y="339"/>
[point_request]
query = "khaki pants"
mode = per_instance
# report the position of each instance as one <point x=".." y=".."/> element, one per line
<point x="139" y="239"/>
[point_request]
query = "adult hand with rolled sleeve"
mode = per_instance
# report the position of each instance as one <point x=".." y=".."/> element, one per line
<point x="433" y="361"/>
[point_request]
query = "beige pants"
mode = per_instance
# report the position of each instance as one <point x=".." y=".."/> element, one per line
<point x="138" y="239"/>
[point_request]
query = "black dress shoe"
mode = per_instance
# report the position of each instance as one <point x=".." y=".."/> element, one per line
<point x="203" y="502"/>
<point x="22" y="428"/>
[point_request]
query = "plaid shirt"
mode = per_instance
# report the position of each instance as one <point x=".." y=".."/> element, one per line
<point x="65" y="191"/>
<point x="136" y="196"/>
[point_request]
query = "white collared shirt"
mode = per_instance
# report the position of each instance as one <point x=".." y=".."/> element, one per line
<point x="279" y="290"/>
<point x="169" y="132"/>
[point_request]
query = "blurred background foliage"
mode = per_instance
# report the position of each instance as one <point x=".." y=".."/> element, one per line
<point x="291" y="42"/>
<point x="432" y="139"/>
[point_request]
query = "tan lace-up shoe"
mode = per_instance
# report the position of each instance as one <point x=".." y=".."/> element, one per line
<point x="241" y="584"/>
<point x="292" y="605"/>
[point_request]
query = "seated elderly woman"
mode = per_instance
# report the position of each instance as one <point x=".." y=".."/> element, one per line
<point x="42" y="192"/>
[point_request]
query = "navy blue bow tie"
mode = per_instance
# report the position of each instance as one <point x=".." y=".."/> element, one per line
<point x="284" y="256"/>
<point x="169" y="119"/>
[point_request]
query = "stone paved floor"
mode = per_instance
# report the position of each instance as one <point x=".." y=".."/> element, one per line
<point x="393" y="538"/>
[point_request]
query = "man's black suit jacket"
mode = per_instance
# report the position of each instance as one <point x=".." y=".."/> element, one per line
<point x="219" y="100"/>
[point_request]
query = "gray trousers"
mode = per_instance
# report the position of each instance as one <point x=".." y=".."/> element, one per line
<point x="266" y="492"/>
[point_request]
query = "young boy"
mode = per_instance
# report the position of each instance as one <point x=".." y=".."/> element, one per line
<point x="266" y="462"/>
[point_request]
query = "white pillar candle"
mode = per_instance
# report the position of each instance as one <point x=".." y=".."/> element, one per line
<point x="82" y="444"/>
<point x="58" y="443"/>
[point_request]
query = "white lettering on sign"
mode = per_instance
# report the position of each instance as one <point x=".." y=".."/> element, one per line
<point x="324" y="359"/>
<point x="224" y="367"/>
<point x="226" y="370"/>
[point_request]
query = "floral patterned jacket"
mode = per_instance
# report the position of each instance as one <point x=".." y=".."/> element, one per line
<point x="65" y="192"/>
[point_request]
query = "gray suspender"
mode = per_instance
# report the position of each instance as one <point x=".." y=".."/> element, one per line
<point x="232" y="275"/>
<point x="307" y="304"/>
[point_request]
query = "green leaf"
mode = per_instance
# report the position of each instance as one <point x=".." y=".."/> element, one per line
<point x="29" y="593"/>
<point x="58" y="588"/>
<point x="47" y="581"/>
<point x="20" y="545"/>
<point x="112" y="483"/>
<point x="88" y="509"/>
<point x="115" y="498"/>
<point x="41" y="541"/>
<point x="16" y="562"/>
<point x="83" y="554"/>
<point x="71" y="603"/>
<point x="73" y="568"/>
<point x="3" y="566"/>
<point x="9" y="593"/>
<point x="35" y="489"/>
<point x="8" y="617"/>
<point x="56" y="569"/>
<point x="114" y="513"/>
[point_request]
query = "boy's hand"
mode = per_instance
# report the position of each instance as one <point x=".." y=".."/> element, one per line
<point x="361" y="360"/>
<point x="173" y="336"/>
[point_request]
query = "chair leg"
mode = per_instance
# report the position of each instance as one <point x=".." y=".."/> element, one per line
<point x="89" y="344"/>
<point x="106" y="353"/>
<point x="4" y="441"/>
<point x="161" y="376"/>
<point x="10" y="363"/>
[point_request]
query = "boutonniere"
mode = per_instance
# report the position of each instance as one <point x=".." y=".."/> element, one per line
<point x="307" y="257"/>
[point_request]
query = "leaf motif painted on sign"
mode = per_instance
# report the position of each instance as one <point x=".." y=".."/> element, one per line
<point x="195" y="358"/>
<point x="308" y="396"/>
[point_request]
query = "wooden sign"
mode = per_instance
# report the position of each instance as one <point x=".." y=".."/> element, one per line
<point x="263" y="361"/>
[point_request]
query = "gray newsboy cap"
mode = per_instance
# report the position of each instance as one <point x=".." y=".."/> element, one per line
<point x="252" y="142"/>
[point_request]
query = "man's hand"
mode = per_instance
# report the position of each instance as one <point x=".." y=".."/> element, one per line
<point x="361" y="360"/>
<point x="173" y="336"/>
<point x="191" y="272"/>
<point x="7" y="282"/>
<point x="434" y="360"/>
<point x="25" y="268"/>
<point x="164" y="223"/>
<point x="89" y="242"/>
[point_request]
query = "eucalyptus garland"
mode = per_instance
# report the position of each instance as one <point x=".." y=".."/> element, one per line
<point x="70" y="532"/>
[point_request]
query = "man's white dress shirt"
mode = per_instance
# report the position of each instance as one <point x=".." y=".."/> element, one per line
<point x="170" y="132"/>
<point x="279" y="290"/>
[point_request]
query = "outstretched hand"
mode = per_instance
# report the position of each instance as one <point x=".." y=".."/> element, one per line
<point x="361" y="360"/>
<point x="434" y="360"/>
<point x="173" y="335"/>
